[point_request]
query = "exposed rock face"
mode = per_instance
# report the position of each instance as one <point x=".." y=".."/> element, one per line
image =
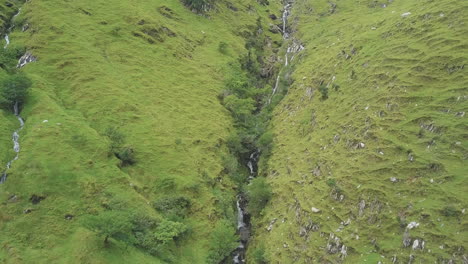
<point x="25" y="59"/>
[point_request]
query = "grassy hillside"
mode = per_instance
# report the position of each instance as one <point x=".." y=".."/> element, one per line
<point x="148" y="72"/>
<point x="7" y="10"/>
<point x="371" y="136"/>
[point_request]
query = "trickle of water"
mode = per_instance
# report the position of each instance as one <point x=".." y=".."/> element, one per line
<point x="7" y="38"/>
<point x="243" y="227"/>
<point x="16" y="145"/>
<point x="16" y="111"/>
<point x="240" y="215"/>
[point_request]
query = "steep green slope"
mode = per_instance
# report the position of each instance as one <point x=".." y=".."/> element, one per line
<point x="150" y="70"/>
<point x="7" y="10"/>
<point x="371" y="136"/>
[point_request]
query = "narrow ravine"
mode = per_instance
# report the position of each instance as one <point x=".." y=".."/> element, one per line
<point x="243" y="218"/>
<point x="16" y="110"/>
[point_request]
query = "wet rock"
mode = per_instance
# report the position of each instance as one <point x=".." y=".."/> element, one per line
<point x="25" y="59"/>
<point x="35" y="199"/>
<point x="25" y="27"/>
<point x="244" y="233"/>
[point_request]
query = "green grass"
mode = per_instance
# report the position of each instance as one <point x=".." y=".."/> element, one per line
<point x="8" y="122"/>
<point x="153" y="69"/>
<point x="401" y="75"/>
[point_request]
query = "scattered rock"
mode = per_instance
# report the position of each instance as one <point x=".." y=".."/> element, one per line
<point x="336" y="138"/>
<point x="412" y="225"/>
<point x="69" y="217"/>
<point x="27" y="211"/>
<point x="13" y="198"/>
<point x="35" y="199"/>
<point x="45" y="121"/>
<point x="406" y="239"/>
<point x="393" y="179"/>
<point x="360" y="145"/>
<point x="302" y="231"/>
<point x="270" y="226"/>
<point x="25" y="59"/>
<point x="406" y="14"/>
<point x="361" y="206"/>
<point x="274" y="29"/>
<point x="410" y="157"/>
<point x="316" y="172"/>
<point x="347" y="222"/>
<point x="315" y="210"/>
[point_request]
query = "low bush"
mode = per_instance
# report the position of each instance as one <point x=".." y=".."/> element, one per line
<point x="14" y="89"/>
<point x="258" y="195"/>
<point x="173" y="206"/>
<point x="259" y="255"/>
<point x="323" y="89"/>
<point x="222" y="243"/>
<point x="110" y="224"/>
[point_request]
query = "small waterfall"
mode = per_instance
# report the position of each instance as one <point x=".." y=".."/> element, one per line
<point x="16" y="145"/>
<point x="243" y="219"/>
<point x="16" y="111"/>
<point x="293" y="47"/>
<point x="243" y="223"/>
<point x="7" y="37"/>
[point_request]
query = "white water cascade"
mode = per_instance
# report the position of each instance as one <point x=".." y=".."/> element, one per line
<point x="16" y="111"/>
<point x="243" y="223"/>
<point x="7" y="37"/>
<point x="243" y="220"/>
<point x="16" y="145"/>
<point x="292" y="49"/>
